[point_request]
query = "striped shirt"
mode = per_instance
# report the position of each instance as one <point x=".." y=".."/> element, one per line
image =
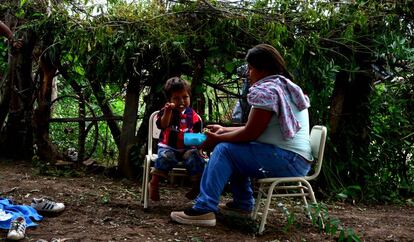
<point x="173" y="135"/>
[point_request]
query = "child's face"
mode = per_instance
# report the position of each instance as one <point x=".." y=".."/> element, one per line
<point x="181" y="99"/>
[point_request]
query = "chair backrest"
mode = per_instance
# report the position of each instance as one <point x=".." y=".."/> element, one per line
<point x="317" y="139"/>
<point x="154" y="131"/>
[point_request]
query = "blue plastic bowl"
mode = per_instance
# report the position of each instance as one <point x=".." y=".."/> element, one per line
<point x="194" y="139"/>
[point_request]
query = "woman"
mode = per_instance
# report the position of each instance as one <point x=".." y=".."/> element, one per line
<point x="273" y="143"/>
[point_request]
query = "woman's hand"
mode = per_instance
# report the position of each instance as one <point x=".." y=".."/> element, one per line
<point x="212" y="132"/>
<point x="211" y="141"/>
<point x="215" y="128"/>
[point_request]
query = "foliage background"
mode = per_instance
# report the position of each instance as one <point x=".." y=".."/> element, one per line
<point x="353" y="58"/>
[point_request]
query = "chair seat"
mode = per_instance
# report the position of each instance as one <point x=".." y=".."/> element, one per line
<point x="281" y="179"/>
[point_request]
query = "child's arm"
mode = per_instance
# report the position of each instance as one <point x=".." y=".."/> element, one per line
<point x="166" y="117"/>
<point x="197" y="124"/>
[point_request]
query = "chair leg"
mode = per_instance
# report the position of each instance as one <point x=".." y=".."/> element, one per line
<point x="305" y="201"/>
<point x="145" y="182"/>
<point x="258" y="201"/>
<point x="266" y="208"/>
<point x="313" y="199"/>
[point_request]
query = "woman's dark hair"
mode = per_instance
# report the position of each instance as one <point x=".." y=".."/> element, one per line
<point x="265" y="57"/>
<point x="175" y="84"/>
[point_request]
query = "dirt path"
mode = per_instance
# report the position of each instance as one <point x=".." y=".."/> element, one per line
<point x="102" y="209"/>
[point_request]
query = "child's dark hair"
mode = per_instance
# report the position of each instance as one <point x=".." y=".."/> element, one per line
<point x="176" y="84"/>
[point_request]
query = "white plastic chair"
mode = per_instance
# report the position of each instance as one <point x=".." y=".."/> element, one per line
<point x="151" y="156"/>
<point x="279" y="186"/>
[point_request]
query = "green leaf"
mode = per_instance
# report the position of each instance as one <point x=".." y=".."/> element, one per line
<point x="229" y="66"/>
<point x="20" y="13"/>
<point x="342" y="195"/>
<point x="341" y="236"/>
<point x="22" y="2"/>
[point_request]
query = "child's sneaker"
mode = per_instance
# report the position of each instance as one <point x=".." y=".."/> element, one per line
<point x="47" y="205"/>
<point x="17" y="229"/>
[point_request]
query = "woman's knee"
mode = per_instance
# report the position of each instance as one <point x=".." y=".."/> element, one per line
<point x="222" y="147"/>
<point x="222" y="153"/>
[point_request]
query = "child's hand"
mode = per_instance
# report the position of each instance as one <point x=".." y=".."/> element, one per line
<point x="169" y="106"/>
<point x="201" y="153"/>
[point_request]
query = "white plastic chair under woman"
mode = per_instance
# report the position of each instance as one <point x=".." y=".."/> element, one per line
<point x="272" y="187"/>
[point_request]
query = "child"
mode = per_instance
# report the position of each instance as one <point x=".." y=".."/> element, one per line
<point x="176" y="118"/>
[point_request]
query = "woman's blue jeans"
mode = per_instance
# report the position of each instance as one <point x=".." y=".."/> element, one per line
<point x="236" y="162"/>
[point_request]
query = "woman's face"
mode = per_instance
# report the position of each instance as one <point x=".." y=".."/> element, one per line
<point x="255" y="75"/>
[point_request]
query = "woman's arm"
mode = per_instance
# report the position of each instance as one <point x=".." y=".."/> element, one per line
<point x="218" y="129"/>
<point x="255" y="126"/>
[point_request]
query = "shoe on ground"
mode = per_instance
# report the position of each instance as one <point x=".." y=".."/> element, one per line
<point x="229" y="209"/>
<point x="194" y="217"/>
<point x="17" y="229"/>
<point x="47" y="205"/>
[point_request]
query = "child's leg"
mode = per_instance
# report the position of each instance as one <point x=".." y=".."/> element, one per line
<point x="154" y="192"/>
<point x="165" y="162"/>
<point x="195" y="167"/>
<point x="195" y="187"/>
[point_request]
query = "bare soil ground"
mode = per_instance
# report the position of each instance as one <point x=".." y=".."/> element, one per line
<point x="99" y="208"/>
